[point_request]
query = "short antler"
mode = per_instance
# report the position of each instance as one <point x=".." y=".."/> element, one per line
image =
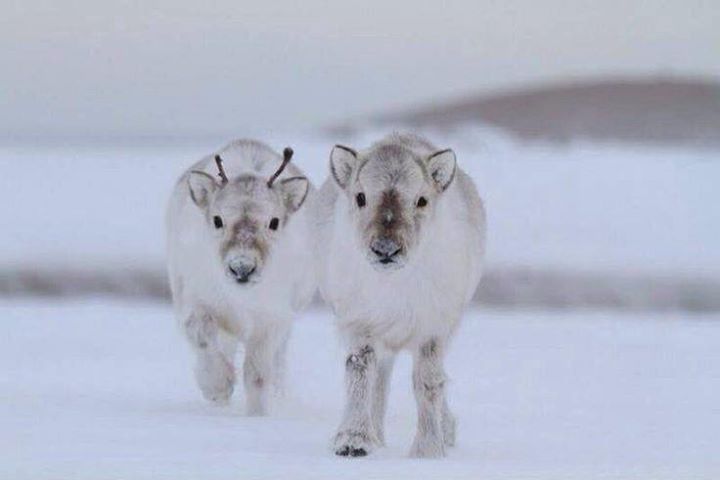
<point x="287" y="155"/>
<point x="221" y="174"/>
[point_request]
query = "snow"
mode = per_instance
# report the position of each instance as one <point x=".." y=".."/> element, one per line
<point x="99" y="389"/>
<point x="93" y="388"/>
<point x="578" y="207"/>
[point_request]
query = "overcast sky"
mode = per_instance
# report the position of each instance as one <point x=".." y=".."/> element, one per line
<point x="181" y="67"/>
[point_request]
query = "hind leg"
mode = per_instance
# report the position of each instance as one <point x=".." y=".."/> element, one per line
<point x="214" y="350"/>
<point x="449" y="425"/>
<point x="380" y="394"/>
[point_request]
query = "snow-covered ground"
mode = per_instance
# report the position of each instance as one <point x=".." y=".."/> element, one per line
<point x="578" y="207"/>
<point x="97" y="389"/>
<point x="101" y="389"/>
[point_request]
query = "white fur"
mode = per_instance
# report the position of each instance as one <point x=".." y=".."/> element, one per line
<point x="413" y="307"/>
<point x="216" y="312"/>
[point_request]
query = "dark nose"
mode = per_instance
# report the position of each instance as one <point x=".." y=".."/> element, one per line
<point x="241" y="271"/>
<point x="385" y="249"/>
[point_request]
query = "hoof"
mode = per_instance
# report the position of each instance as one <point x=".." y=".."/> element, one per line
<point x="216" y="379"/>
<point x="348" y="451"/>
<point x="353" y="444"/>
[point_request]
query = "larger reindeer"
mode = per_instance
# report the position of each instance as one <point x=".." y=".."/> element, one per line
<point x="402" y="236"/>
<point x="240" y="265"/>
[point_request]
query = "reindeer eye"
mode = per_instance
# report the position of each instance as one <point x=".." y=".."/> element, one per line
<point x="422" y="201"/>
<point x="274" y="223"/>
<point x="360" y="199"/>
<point x="217" y="221"/>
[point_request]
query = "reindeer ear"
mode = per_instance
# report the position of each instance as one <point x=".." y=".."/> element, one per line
<point x="294" y="190"/>
<point x="342" y="163"/>
<point x="441" y="167"/>
<point x="201" y="186"/>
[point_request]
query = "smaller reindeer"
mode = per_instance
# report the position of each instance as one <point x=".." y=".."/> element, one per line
<point x="401" y="238"/>
<point x="240" y="265"/>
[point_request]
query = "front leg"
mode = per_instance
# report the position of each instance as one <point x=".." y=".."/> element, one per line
<point x="429" y="386"/>
<point x="380" y="395"/>
<point x="356" y="435"/>
<point x="214" y="370"/>
<point x="280" y="364"/>
<point x="258" y="372"/>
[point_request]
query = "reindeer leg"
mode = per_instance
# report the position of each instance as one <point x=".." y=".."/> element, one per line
<point x="280" y="364"/>
<point x="214" y="369"/>
<point x="258" y="372"/>
<point x="380" y="394"/>
<point x="356" y="434"/>
<point x="429" y="386"/>
<point x="449" y="424"/>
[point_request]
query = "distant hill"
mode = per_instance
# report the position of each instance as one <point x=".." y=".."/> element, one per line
<point x="668" y="111"/>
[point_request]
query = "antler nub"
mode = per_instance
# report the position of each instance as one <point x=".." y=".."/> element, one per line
<point x="287" y="156"/>
<point x="221" y="170"/>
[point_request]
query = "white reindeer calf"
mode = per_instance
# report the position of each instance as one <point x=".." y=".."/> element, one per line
<point x="401" y="241"/>
<point x="240" y="264"/>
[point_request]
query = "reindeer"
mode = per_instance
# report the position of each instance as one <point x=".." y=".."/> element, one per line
<point x="401" y="237"/>
<point x="240" y="265"/>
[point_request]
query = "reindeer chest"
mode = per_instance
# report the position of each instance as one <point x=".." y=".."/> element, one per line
<point x="394" y="306"/>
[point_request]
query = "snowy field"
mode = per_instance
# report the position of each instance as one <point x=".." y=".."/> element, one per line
<point x="578" y="207"/>
<point x="103" y="389"/>
<point x="97" y="389"/>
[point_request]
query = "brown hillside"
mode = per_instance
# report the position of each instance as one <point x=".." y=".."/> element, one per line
<point x="647" y="111"/>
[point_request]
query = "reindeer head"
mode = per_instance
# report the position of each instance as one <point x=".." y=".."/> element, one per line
<point x="392" y="193"/>
<point x="246" y="215"/>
